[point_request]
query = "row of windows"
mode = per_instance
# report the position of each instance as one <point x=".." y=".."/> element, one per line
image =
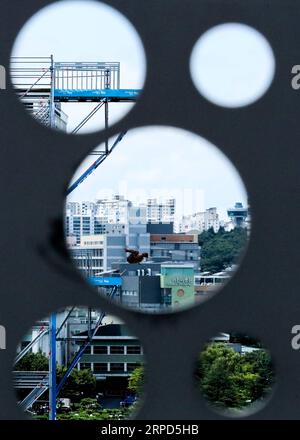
<point x="93" y="243"/>
<point x="103" y="367"/>
<point x="86" y="255"/>
<point x="87" y="264"/>
<point x="129" y="293"/>
<point x="114" y="349"/>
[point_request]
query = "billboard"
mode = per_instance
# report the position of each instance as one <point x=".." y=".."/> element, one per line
<point x="180" y="279"/>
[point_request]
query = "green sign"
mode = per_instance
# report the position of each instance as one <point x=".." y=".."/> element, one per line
<point x="180" y="279"/>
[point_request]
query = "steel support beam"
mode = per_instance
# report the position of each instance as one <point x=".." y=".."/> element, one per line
<point x="52" y="368"/>
<point x="106" y="127"/>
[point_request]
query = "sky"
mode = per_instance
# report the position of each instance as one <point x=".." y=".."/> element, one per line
<point x="165" y="162"/>
<point x="232" y="65"/>
<point x="73" y="30"/>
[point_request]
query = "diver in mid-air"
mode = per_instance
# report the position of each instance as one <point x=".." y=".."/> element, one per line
<point x="135" y="257"/>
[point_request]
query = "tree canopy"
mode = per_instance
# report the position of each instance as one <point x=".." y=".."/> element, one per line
<point x="33" y="362"/>
<point x="79" y="384"/>
<point x="222" y="249"/>
<point x="230" y="380"/>
<point x="136" y="381"/>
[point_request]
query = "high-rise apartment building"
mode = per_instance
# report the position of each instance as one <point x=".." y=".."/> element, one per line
<point x="161" y="212"/>
<point x="199" y="222"/>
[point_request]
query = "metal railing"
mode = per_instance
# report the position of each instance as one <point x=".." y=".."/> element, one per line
<point x="87" y="76"/>
<point x="29" y="379"/>
<point x="31" y="74"/>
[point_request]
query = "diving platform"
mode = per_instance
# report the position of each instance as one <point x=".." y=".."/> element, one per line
<point x="96" y="95"/>
<point x="43" y="84"/>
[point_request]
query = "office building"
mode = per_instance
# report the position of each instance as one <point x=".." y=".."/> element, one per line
<point x="97" y="253"/>
<point x="175" y="248"/>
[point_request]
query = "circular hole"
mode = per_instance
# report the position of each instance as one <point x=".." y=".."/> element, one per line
<point x="232" y="65"/>
<point x="99" y="370"/>
<point x="156" y="225"/>
<point x="235" y="374"/>
<point x="78" y="66"/>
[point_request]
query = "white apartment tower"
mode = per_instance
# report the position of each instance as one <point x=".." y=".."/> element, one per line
<point x="201" y="221"/>
<point x="161" y="212"/>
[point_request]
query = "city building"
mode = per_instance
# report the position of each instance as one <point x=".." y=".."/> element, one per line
<point x="180" y="248"/>
<point x="115" y="210"/>
<point x="238" y="215"/>
<point x="161" y="211"/>
<point x="140" y="287"/>
<point x="199" y="222"/>
<point x="178" y="285"/>
<point x="207" y="284"/>
<point x="114" y="352"/>
<point x="138" y="236"/>
<point x="96" y="253"/>
<point x="111" y="217"/>
<point x="160" y="228"/>
<point x="155" y="286"/>
<point x="77" y="322"/>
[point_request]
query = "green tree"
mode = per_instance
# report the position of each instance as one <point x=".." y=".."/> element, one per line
<point x="262" y="365"/>
<point x="222" y="249"/>
<point x="226" y="378"/>
<point x="88" y="403"/>
<point x="33" y="362"/>
<point x="79" y="383"/>
<point x="136" y="381"/>
<point x="206" y="236"/>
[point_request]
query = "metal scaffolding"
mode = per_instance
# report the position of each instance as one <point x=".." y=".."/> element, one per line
<point x="42" y="85"/>
<point x="38" y="382"/>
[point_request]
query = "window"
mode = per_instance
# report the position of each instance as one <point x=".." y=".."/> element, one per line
<point x="87" y="350"/>
<point x="133" y="349"/>
<point x="116" y="366"/>
<point x="85" y="366"/>
<point x="100" y="349"/>
<point x="100" y="367"/>
<point x="132" y="366"/>
<point x="116" y="349"/>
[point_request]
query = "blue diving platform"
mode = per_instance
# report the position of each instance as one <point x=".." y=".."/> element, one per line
<point x="111" y="95"/>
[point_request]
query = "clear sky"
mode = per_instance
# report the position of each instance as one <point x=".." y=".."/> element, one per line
<point x="233" y="65"/>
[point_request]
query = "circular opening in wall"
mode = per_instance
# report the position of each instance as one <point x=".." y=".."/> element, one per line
<point x="232" y="65"/>
<point x="78" y="66"/>
<point x="79" y="364"/>
<point x="160" y="222"/>
<point x="235" y="374"/>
